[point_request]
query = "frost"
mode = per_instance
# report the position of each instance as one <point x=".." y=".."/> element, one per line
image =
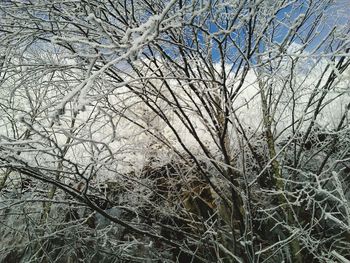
<point x="174" y="131"/>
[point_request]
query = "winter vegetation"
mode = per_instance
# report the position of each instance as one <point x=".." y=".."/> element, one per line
<point x="175" y="131"/>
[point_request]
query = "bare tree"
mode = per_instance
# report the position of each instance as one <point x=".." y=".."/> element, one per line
<point x="180" y="131"/>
